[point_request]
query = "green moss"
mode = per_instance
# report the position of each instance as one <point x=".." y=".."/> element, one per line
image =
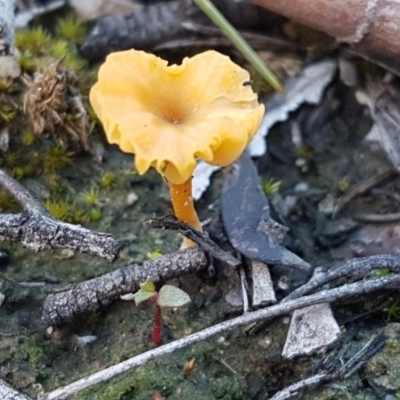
<point x="156" y="253"/>
<point x="37" y="352"/>
<point x="10" y="159"/>
<point x="35" y="40"/>
<point x="271" y="186"/>
<point x="59" y="48"/>
<point x="28" y="138"/>
<point x="226" y="388"/>
<point x="140" y="384"/>
<point x="18" y="172"/>
<point x="79" y="216"/>
<point x="95" y="215"/>
<point x="108" y="180"/>
<point x="59" y="209"/>
<point x="28" y="63"/>
<point x="71" y="29"/>
<point x="382" y="272"/>
<point x="6" y="202"/>
<point x="8" y="113"/>
<point x="90" y="197"/>
<point x="55" y="158"/>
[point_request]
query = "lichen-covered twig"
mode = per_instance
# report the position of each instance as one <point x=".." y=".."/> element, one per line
<point x="354" y="269"/>
<point x="9" y="393"/>
<point x="330" y="295"/>
<point x="38" y="230"/>
<point x="90" y="295"/>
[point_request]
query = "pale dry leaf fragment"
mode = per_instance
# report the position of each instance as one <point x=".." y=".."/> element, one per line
<point x="386" y="115"/>
<point x="263" y="289"/>
<point x="307" y="87"/>
<point x="312" y="329"/>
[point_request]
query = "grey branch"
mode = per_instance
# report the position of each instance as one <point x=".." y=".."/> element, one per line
<point x="38" y="230"/>
<point x="330" y="295"/>
<point x="9" y="393"/>
<point x="8" y="61"/>
<point x="353" y="269"/>
<point x="98" y="292"/>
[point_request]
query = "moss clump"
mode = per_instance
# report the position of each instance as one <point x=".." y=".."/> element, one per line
<point x="6" y="202"/>
<point x="8" y="113"/>
<point x="271" y="186"/>
<point x="59" y="209"/>
<point x="95" y="215"/>
<point x="71" y="29"/>
<point x="28" y="138"/>
<point x="90" y="197"/>
<point x="33" y="42"/>
<point x="108" y="180"/>
<point x="226" y="389"/>
<point x="56" y="158"/>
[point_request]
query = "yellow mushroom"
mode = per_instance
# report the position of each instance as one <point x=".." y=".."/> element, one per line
<point x="170" y="116"/>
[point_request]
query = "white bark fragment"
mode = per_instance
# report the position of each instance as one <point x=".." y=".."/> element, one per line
<point x="263" y="290"/>
<point x="9" y="393"/>
<point x="311" y="329"/>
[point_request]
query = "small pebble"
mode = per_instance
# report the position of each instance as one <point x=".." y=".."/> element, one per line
<point x="86" y="339"/>
<point x="283" y="283"/>
<point x="302" y="187"/>
<point x="131" y="199"/>
<point x="265" y="343"/>
<point x="327" y="205"/>
<point x="67" y="254"/>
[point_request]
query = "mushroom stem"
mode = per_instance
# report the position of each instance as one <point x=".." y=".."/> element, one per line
<point x="182" y="202"/>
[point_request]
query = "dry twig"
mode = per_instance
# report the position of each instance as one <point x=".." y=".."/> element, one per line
<point x="363" y="187"/>
<point x="101" y="291"/>
<point x="37" y="229"/>
<point x="354" y="269"/>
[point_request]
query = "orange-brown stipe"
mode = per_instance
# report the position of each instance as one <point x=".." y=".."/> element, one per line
<point x="182" y="202"/>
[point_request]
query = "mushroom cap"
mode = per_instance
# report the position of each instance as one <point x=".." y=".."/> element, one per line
<point x="171" y="115"/>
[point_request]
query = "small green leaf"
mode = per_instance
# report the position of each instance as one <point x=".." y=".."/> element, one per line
<point x="148" y="286"/>
<point x="141" y="296"/>
<point x="171" y="296"/>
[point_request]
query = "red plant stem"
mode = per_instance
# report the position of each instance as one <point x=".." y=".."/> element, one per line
<point x="156" y="335"/>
